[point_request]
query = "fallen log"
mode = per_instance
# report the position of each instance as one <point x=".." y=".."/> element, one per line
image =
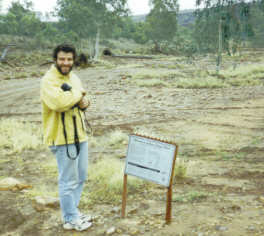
<point x="134" y="57"/>
<point x="108" y="52"/>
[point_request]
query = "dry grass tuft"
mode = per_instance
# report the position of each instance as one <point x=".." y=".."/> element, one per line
<point x="106" y="177"/>
<point x="19" y="135"/>
<point x="182" y="168"/>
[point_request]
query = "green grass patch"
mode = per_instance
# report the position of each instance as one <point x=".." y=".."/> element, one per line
<point x="116" y="139"/>
<point x="193" y="196"/>
<point x="106" y="182"/>
<point x="244" y="75"/>
<point x="230" y="155"/>
<point x="199" y="83"/>
<point x="158" y="74"/>
<point x="163" y="75"/>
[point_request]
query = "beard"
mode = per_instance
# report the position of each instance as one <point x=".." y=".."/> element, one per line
<point x="64" y="72"/>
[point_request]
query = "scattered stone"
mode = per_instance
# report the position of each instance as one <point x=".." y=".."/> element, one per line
<point x="111" y="230"/>
<point x="251" y="228"/>
<point x="221" y="228"/>
<point x="41" y="203"/>
<point x="115" y="210"/>
<point x="12" y="184"/>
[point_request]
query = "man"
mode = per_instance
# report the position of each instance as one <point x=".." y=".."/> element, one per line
<point x="63" y="101"/>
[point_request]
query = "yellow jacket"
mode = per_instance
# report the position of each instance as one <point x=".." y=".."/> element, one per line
<point x="55" y="101"/>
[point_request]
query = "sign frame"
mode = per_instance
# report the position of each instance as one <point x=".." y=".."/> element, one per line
<point x="168" y="185"/>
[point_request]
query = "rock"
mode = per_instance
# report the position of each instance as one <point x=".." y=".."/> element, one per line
<point x="251" y="228"/>
<point x="111" y="230"/>
<point x="221" y="228"/>
<point x="115" y="210"/>
<point x="12" y="184"/>
<point x="41" y="203"/>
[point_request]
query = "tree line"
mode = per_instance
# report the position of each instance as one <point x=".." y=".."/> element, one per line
<point x="235" y="23"/>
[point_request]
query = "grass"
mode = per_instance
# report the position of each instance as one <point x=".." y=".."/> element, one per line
<point x="153" y="77"/>
<point x="230" y="155"/>
<point x="182" y="168"/>
<point x="187" y="78"/>
<point x="192" y="196"/>
<point x="106" y="182"/>
<point x="156" y="73"/>
<point x="40" y="190"/>
<point x="50" y="167"/>
<point x="19" y="135"/>
<point x="150" y="83"/>
<point x="117" y="139"/>
<point x="114" y="140"/>
<point x="199" y="82"/>
<point x="104" y="63"/>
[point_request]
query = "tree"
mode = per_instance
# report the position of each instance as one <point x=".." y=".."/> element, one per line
<point x="161" y="23"/>
<point x="234" y="17"/>
<point x="1" y="1"/>
<point x="90" y="19"/>
<point x="21" y="20"/>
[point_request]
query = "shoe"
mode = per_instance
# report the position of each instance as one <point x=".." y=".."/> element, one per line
<point x="86" y="218"/>
<point x="78" y="225"/>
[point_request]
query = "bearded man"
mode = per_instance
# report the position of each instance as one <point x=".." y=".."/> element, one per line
<point x="63" y="102"/>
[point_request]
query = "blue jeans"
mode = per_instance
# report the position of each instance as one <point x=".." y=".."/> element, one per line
<point x="72" y="175"/>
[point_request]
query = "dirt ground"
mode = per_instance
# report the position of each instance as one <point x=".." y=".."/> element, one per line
<point x="219" y="132"/>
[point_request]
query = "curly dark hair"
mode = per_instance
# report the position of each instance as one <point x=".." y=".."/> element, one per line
<point x="64" y="48"/>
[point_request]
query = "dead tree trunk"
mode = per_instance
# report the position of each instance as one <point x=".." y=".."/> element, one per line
<point x="5" y="52"/>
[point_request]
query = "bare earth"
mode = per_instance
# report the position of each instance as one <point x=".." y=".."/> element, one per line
<point x="219" y="131"/>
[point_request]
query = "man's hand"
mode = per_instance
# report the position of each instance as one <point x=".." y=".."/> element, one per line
<point x="83" y="103"/>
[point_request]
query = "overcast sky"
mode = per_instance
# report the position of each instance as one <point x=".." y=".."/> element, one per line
<point x="136" y="6"/>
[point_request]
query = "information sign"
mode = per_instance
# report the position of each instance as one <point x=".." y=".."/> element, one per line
<point x="150" y="159"/>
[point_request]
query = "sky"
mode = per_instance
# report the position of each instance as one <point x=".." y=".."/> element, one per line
<point x="137" y="7"/>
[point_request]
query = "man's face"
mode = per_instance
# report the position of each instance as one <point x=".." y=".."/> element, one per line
<point x="64" y="62"/>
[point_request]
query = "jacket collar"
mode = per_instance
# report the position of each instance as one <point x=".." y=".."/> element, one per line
<point x="56" y="72"/>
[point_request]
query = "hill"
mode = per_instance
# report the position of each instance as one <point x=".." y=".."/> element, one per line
<point x="185" y="18"/>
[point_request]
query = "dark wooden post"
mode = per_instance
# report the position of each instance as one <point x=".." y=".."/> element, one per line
<point x="169" y="192"/>
<point x="124" y="197"/>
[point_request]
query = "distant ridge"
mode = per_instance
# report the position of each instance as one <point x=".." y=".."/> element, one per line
<point x="185" y="17"/>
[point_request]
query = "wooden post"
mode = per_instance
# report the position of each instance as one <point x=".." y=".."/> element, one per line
<point x="168" y="210"/>
<point x="169" y="192"/>
<point x="124" y="197"/>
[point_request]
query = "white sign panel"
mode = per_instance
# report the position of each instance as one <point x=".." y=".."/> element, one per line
<point x="150" y="159"/>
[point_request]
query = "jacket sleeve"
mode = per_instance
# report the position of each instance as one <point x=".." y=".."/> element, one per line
<point x="57" y="99"/>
